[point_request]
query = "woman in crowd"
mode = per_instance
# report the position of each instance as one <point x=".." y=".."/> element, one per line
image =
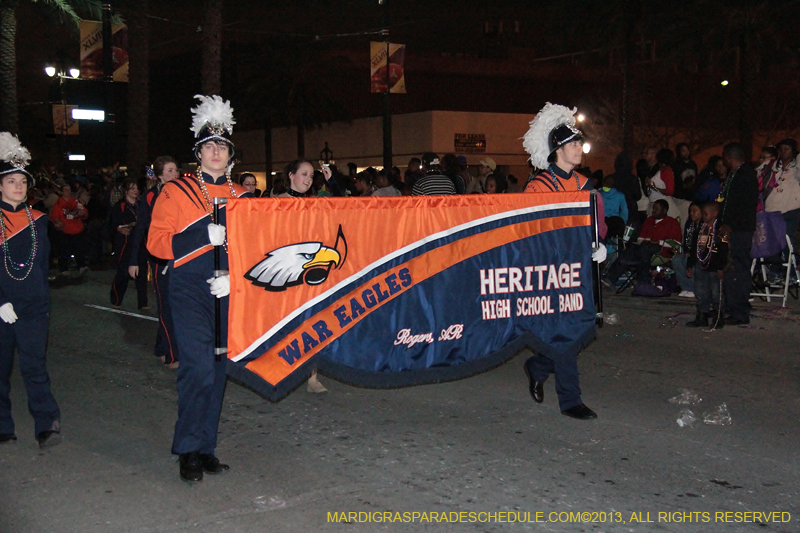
<point x="124" y="217"/>
<point x="24" y="298"/>
<point x="165" y="169"/>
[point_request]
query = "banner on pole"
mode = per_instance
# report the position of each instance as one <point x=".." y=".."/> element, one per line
<point x="63" y="123"/>
<point x="387" y="67"/>
<point x="388" y="292"/>
<point x="92" y="50"/>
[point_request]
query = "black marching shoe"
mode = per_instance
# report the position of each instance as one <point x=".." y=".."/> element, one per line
<point x="7" y="438"/>
<point x="211" y="464"/>
<point x="191" y="467"/>
<point x="700" y="321"/>
<point x="49" y="438"/>
<point x="536" y="389"/>
<point x="715" y="320"/>
<point x="581" y="412"/>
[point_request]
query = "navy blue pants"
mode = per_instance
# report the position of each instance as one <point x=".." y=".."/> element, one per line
<point x="165" y="337"/>
<point x="565" y="369"/>
<point x="29" y="336"/>
<point x="201" y="379"/>
<point x="121" y="279"/>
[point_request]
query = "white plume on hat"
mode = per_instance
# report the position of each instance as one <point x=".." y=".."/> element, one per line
<point x="536" y="141"/>
<point x="213" y="113"/>
<point x="12" y="151"/>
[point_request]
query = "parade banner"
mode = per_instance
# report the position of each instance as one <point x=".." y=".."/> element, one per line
<point x="398" y="291"/>
<point x="92" y="50"/>
<point x="386" y="61"/>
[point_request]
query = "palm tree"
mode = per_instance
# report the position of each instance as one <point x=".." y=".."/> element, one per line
<point x="9" y="114"/>
<point x="212" y="47"/>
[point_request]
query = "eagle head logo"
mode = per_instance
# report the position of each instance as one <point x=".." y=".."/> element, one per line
<point x="295" y="264"/>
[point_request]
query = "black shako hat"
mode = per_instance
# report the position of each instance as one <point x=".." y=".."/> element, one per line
<point x="213" y="121"/>
<point x="13" y="156"/>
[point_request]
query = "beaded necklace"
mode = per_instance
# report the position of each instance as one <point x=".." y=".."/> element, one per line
<point x="207" y="198"/>
<point x="708" y="245"/>
<point x="28" y="264"/>
<point x="555" y="180"/>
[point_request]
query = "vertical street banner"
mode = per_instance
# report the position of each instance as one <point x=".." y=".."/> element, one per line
<point x="92" y="50"/>
<point x="63" y="123"/>
<point x="390" y="292"/>
<point x="386" y="62"/>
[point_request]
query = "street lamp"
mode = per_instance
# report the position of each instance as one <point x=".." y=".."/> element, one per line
<point x="52" y="72"/>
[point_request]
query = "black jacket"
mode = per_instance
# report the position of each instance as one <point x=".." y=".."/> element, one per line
<point x="740" y="192"/>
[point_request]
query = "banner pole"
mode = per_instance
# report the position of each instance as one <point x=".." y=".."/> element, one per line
<point x="219" y="349"/>
<point x="596" y="270"/>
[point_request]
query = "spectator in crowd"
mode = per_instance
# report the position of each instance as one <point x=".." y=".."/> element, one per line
<point x="685" y="171"/>
<point x="738" y="212"/>
<point x="628" y="184"/>
<point x="496" y="184"/>
<point x="709" y="269"/>
<point x="384" y="187"/>
<point x="615" y="206"/>
<point x="661" y="185"/>
<point x="764" y="172"/>
<point x="452" y="169"/>
<point x="656" y="230"/>
<point x="782" y="192"/>
<point x="68" y="216"/>
<point x="413" y="172"/>
<point x="433" y="182"/>
<point x="710" y="182"/>
<point x="683" y="262"/>
<point x="364" y="185"/>
<point x="486" y="168"/>
<point x="124" y="217"/>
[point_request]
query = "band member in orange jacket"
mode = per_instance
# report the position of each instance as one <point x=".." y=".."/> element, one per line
<point x="184" y="232"/>
<point x="556" y="147"/>
<point x="24" y="298"/>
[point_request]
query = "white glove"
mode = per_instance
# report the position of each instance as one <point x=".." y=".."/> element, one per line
<point x="7" y="313"/>
<point x="216" y="234"/>
<point x="599" y="254"/>
<point x="221" y="286"/>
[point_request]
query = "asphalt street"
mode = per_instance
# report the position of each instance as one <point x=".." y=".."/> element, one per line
<point x="479" y="445"/>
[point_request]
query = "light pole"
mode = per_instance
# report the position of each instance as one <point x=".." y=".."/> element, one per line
<point x="69" y="74"/>
<point x="387" y="107"/>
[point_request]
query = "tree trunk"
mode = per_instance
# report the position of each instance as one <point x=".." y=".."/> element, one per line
<point x="9" y="114"/>
<point x="212" y="47"/>
<point x="138" y="88"/>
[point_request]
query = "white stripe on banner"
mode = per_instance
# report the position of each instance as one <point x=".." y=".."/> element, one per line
<point x="401" y="251"/>
<point x="120" y="312"/>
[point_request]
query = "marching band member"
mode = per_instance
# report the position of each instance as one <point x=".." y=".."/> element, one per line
<point x="300" y="174"/>
<point x="184" y="232"/>
<point x="556" y="146"/>
<point x="165" y="169"/>
<point x="24" y="297"/>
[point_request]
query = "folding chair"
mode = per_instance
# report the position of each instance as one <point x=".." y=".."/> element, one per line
<point x="762" y="288"/>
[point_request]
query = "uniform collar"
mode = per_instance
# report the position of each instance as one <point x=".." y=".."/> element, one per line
<point x="559" y="172"/>
<point x="215" y="181"/>
<point x="7" y="207"/>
